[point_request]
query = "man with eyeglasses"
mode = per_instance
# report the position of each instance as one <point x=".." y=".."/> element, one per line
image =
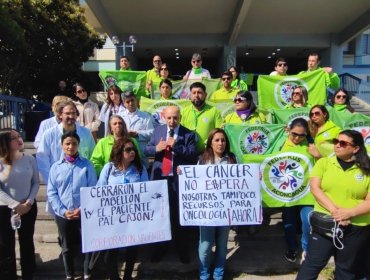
<point x="172" y="145"/>
<point x="197" y="72"/>
<point x="50" y="147"/>
<point x="226" y="92"/>
<point x="153" y="75"/>
<point x="281" y="67"/>
<point x="139" y="124"/>
<point x="200" y="117"/>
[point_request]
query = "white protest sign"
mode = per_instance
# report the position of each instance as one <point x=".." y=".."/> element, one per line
<point x="124" y="215"/>
<point x="220" y="195"/>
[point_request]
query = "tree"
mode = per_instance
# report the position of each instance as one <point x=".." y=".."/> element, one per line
<point x="42" y="42"/>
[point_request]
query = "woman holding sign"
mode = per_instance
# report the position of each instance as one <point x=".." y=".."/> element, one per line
<point x="298" y="141"/>
<point x="217" y="152"/>
<point x="125" y="167"/>
<point x="67" y="177"/>
<point x="323" y="130"/>
<point x="341" y="218"/>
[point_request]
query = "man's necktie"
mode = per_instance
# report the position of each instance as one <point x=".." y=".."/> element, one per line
<point x="167" y="158"/>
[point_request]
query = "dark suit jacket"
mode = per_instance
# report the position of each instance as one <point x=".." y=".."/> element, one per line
<point x="184" y="150"/>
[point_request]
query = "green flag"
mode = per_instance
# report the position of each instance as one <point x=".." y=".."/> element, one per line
<point x="255" y="139"/>
<point x="177" y="89"/>
<point x="181" y="89"/>
<point x="275" y="91"/>
<point x="361" y="123"/>
<point x="286" y="116"/>
<point x="155" y="107"/>
<point x="126" y="80"/>
<point x="225" y="107"/>
<point x="284" y="177"/>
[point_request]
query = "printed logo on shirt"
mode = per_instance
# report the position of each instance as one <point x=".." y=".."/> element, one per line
<point x="285" y="177"/>
<point x="205" y="119"/>
<point x="255" y="140"/>
<point x="326" y="135"/>
<point x="283" y="90"/>
<point x="359" y="177"/>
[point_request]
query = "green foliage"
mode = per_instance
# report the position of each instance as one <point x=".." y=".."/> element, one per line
<point x="42" y="42"/>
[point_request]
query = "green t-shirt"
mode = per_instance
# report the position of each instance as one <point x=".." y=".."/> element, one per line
<point x="201" y="122"/>
<point x="224" y="94"/>
<point x="102" y="151"/>
<point x="346" y="189"/>
<point x="324" y="138"/>
<point x="255" y="118"/>
<point x="153" y="75"/>
<point x="239" y="84"/>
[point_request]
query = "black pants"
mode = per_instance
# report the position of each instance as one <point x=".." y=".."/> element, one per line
<point x="68" y="229"/>
<point x="179" y="233"/>
<point x="8" y="269"/>
<point x="111" y="262"/>
<point x="350" y="262"/>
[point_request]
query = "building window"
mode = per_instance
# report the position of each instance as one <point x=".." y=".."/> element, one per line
<point x="366" y="44"/>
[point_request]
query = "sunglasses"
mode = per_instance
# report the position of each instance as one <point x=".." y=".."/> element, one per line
<point x="317" y="114"/>
<point x="282" y="64"/>
<point x="239" y="99"/>
<point x="226" y="78"/>
<point x="198" y="60"/>
<point x="296" y="92"/>
<point x="341" y="96"/>
<point x="298" y="135"/>
<point x="81" y="90"/>
<point x="129" y="149"/>
<point x="342" y="143"/>
<point x="164" y="69"/>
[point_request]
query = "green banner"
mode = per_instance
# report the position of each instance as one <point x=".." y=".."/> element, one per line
<point x="181" y="89"/>
<point x="284" y="178"/>
<point x="286" y="116"/>
<point x="126" y="80"/>
<point x="275" y="91"/>
<point x="361" y="123"/>
<point x="155" y="107"/>
<point x="255" y="139"/>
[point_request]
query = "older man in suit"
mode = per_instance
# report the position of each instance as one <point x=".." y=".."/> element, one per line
<point x="172" y="145"/>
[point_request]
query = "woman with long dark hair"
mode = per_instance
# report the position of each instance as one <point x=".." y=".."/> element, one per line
<point x="341" y="101"/>
<point x="236" y="81"/>
<point x="88" y="111"/>
<point x="19" y="184"/>
<point x="323" y="131"/>
<point x="113" y="106"/>
<point x="124" y="167"/>
<point x="341" y="187"/>
<point x="217" y="152"/>
<point x="298" y="141"/>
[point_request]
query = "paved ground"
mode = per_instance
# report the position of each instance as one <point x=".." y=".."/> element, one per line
<point x="258" y="256"/>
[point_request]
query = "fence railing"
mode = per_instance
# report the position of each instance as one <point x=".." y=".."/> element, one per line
<point x="12" y="111"/>
<point x="355" y="86"/>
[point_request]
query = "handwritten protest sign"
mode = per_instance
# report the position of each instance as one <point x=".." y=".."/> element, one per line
<point x="124" y="215"/>
<point x="220" y="195"/>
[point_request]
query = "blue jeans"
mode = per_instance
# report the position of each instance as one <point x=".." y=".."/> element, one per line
<point x="209" y="236"/>
<point x="290" y="222"/>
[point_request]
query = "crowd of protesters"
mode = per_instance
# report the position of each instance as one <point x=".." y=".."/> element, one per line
<point x="70" y="155"/>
